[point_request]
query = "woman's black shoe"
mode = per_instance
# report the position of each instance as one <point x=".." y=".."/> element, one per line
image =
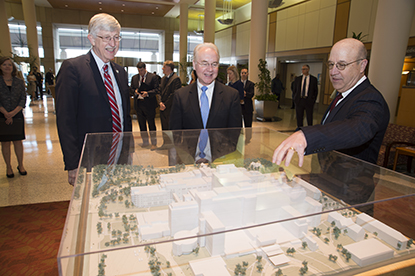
<point x="21" y="173"/>
<point x="10" y="175"/>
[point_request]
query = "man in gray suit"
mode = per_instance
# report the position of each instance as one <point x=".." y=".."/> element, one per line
<point x="355" y="121"/>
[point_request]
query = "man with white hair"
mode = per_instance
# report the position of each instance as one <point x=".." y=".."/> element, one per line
<point x="92" y="93"/>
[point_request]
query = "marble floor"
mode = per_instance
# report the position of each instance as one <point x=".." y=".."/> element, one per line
<point x="46" y="180"/>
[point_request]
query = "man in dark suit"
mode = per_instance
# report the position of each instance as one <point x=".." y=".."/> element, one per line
<point x="223" y="101"/>
<point x="169" y="84"/>
<point x="305" y="94"/>
<point x="83" y="101"/>
<point x="146" y="87"/>
<point x="249" y="91"/>
<point x="355" y="121"/>
<point x="205" y="103"/>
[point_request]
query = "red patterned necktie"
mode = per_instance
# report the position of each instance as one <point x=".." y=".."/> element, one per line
<point x="114" y="145"/>
<point x="116" y="121"/>
<point x="338" y="97"/>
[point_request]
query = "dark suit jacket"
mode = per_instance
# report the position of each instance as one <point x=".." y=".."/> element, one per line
<point x="151" y="85"/>
<point x="167" y="89"/>
<point x="225" y="109"/>
<point x="356" y="126"/>
<point x="312" y="89"/>
<point x="222" y="142"/>
<point x="82" y="104"/>
<point x="250" y="91"/>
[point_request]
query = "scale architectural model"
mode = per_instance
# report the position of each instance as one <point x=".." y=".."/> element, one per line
<point x="184" y="209"/>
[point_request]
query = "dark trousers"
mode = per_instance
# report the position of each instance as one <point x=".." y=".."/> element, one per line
<point x="300" y="106"/>
<point x="165" y="119"/>
<point x="144" y="116"/>
<point x="247" y="115"/>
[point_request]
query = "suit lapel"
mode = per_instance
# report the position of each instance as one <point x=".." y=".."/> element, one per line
<point x="97" y="76"/>
<point x="361" y="87"/>
<point x="216" y="102"/>
<point x="195" y="105"/>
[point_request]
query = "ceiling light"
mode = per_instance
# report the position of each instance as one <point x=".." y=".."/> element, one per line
<point x="226" y="18"/>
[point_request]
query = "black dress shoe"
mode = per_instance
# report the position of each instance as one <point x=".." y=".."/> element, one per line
<point x="10" y="175"/>
<point x="21" y="173"/>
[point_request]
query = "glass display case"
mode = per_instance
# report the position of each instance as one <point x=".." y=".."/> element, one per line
<point x="170" y="211"/>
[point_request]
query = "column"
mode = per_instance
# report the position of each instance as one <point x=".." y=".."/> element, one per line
<point x="258" y="36"/>
<point x="209" y="27"/>
<point x="29" y="13"/>
<point x="183" y="29"/>
<point x="5" y="41"/>
<point x="390" y="40"/>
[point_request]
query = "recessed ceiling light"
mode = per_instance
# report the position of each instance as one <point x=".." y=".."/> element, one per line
<point x="66" y="6"/>
<point x="122" y="10"/>
<point x="157" y="8"/>
<point x="100" y="3"/>
<point x="123" y="5"/>
<point x="100" y="9"/>
<point x="152" y="12"/>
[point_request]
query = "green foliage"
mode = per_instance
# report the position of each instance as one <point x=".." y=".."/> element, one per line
<point x="359" y="36"/>
<point x="264" y="84"/>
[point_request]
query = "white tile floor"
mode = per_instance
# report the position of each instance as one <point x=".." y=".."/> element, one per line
<point x="46" y="180"/>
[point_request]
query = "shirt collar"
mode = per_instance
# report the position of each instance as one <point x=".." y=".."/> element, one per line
<point x="344" y="94"/>
<point x="99" y="61"/>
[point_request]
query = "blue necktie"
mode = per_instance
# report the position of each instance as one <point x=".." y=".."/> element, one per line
<point x="204" y="106"/>
<point x="204" y="110"/>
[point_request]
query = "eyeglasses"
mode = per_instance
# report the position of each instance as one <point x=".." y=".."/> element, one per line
<point x="107" y="39"/>
<point x="205" y="64"/>
<point x="340" y="65"/>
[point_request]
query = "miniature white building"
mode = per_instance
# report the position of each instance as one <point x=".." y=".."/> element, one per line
<point x="369" y="251"/>
<point x="356" y="232"/>
<point x="209" y="267"/>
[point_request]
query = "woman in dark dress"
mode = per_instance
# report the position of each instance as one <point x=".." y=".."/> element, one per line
<point x="235" y="82"/>
<point x="12" y="102"/>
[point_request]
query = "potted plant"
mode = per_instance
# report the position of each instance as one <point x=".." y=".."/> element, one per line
<point x="266" y="103"/>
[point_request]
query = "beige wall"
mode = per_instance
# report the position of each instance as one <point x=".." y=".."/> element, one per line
<point x="223" y="39"/>
<point x="306" y="25"/>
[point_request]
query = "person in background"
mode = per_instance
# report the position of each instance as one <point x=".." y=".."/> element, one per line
<point x="39" y="83"/>
<point x="49" y="79"/>
<point x="234" y="82"/>
<point x="305" y="96"/>
<point x="85" y="102"/>
<point x="12" y="102"/>
<point x="277" y="87"/>
<point x="169" y="84"/>
<point x="356" y="119"/>
<point x="194" y="77"/>
<point x="31" y="88"/>
<point x="145" y="86"/>
<point x="249" y="91"/>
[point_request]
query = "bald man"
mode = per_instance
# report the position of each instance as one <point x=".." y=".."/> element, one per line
<point x="355" y="121"/>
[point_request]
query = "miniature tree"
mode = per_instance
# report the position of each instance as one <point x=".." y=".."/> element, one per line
<point x="339" y="246"/>
<point x="259" y="267"/>
<point x="409" y="243"/>
<point x="196" y="250"/>
<point x="366" y="236"/>
<point x="326" y="240"/>
<point x="168" y="264"/>
<point x="399" y="245"/>
<point x="279" y="272"/>
<point x="304" y="244"/>
<point x="244" y="264"/>
<point x="333" y="223"/>
<point x="375" y="233"/>
<point x="259" y="258"/>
